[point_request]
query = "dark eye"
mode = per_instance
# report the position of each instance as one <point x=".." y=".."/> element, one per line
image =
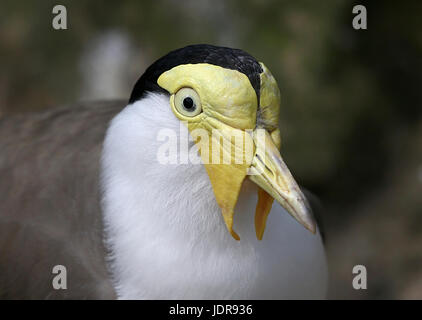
<point x="187" y="102"/>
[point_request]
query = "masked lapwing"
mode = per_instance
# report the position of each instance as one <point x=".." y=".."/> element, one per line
<point x="130" y="200"/>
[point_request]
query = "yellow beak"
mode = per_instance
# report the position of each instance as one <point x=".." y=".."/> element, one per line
<point x="269" y="172"/>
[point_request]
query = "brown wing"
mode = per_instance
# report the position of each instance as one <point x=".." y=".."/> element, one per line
<point x="49" y="202"/>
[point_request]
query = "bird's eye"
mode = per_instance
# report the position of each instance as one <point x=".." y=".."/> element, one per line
<point x="187" y="102"/>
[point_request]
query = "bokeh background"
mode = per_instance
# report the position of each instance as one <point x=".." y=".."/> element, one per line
<point x="351" y="102"/>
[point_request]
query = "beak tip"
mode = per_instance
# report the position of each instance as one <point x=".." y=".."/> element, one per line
<point x="308" y="219"/>
<point x="312" y="229"/>
<point x="310" y="225"/>
<point x="234" y="235"/>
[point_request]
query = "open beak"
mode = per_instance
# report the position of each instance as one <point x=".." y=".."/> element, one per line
<point x="269" y="172"/>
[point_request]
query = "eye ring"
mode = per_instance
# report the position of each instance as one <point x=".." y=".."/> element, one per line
<point x="187" y="102"/>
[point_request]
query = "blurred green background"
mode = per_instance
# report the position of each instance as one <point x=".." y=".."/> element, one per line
<point x="351" y="115"/>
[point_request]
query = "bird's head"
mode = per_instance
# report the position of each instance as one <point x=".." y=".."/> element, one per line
<point x="230" y="103"/>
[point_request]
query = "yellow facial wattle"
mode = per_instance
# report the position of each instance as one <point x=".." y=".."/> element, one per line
<point x="226" y="133"/>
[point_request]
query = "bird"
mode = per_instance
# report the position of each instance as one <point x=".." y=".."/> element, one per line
<point x="127" y="197"/>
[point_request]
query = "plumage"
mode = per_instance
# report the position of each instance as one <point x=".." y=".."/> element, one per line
<point x="50" y="202"/>
<point x="83" y="187"/>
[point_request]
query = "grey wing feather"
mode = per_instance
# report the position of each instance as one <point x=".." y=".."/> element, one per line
<point x="50" y="203"/>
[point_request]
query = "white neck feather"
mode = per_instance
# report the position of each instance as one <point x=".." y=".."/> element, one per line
<point x="165" y="230"/>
